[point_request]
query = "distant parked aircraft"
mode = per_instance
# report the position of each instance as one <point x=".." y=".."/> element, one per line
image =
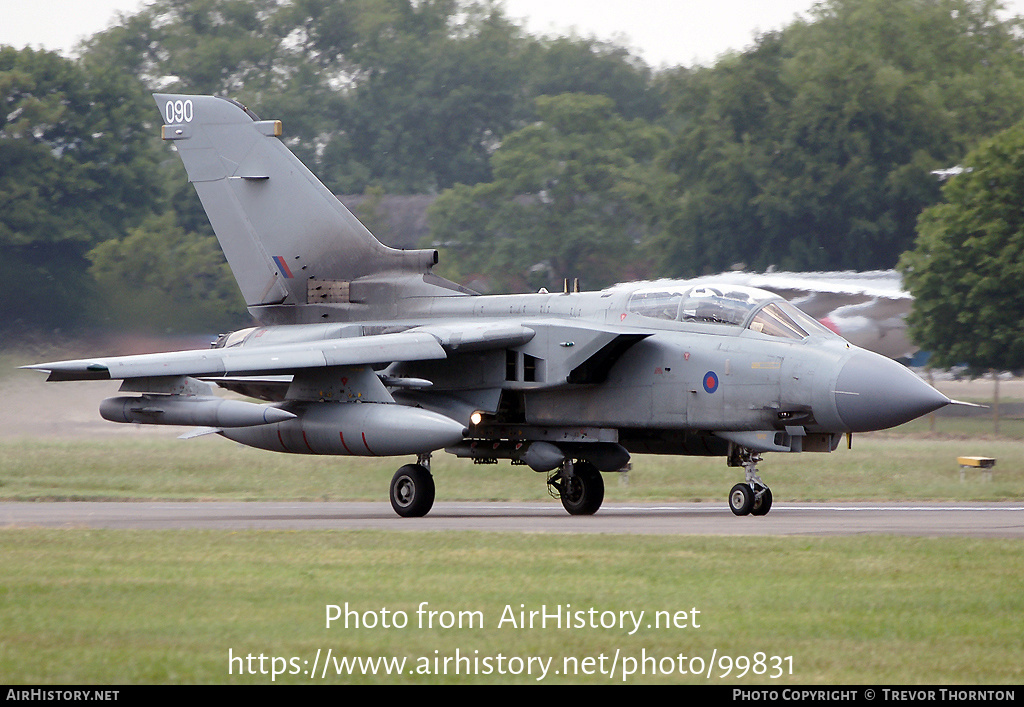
<point x="868" y="309"/>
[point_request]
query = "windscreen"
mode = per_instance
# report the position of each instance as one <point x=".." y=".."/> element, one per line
<point x="784" y="320"/>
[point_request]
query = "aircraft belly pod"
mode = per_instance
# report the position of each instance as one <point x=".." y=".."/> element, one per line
<point x="361" y="350"/>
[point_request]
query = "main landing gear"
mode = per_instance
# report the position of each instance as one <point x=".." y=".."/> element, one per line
<point x="579" y="486"/>
<point x="752" y="497"/>
<point x="412" y="489"/>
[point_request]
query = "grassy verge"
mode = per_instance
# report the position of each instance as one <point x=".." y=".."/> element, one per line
<point x="979" y="427"/>
<point x="153" y="606"/>
<point x="894" y="467"/>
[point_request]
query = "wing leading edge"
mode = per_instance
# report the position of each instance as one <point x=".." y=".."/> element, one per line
<point x="262" y="360"/>
<point x="418" y="344"/>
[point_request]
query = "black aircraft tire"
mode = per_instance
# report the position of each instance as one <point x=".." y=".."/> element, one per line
<point x="741" y="499"/>
<point x="764" y="505"/>
<point x="583" y="493"/>
<point x="412" y="491"/>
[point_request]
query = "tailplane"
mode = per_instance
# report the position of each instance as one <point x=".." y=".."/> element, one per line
<point x="291" y="244"/>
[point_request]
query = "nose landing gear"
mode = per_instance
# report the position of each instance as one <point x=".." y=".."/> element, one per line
<point x="752" y="497"/>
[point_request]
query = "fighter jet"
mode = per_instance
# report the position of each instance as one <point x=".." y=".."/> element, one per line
<point x="362" y="350"/>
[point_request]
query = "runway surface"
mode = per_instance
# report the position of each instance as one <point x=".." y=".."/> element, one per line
<point x="982" y="520"/>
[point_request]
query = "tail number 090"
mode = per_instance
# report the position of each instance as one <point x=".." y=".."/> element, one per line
<point x="179" y="111"/>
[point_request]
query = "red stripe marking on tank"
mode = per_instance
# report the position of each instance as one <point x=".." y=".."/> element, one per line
<point x="307" y="442"/>
<point x="367" y="446"/>
<point x="280" y="439"/>
<point x="342" y="435"/>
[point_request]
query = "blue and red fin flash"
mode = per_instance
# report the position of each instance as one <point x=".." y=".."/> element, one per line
<point x="283" y="267"/>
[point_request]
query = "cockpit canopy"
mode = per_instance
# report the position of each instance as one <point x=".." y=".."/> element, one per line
<point x="731" y="305"/>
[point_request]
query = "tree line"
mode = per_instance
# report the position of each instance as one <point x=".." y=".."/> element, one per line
<point x="549" y="157"/>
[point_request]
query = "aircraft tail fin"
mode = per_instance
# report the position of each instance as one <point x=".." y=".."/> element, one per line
<point x="287" y="238"/>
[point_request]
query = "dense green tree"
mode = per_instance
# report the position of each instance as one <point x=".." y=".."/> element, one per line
<point x="435" y="99"/>
<point x="558" y="65"/>
<point x="966" y="271"/>
<point x="354" y="81"/>
<point x="413" y="95"/>
<point x="260" y="52"/>
<point x="813" y="149"/>
<point x="76" y="168"/>
<point x="207" y="46"/>
<point x="568" y="199"/>
<point x="165" y="279"/>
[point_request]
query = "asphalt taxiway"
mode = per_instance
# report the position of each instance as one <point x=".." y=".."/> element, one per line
<point x="982" y="520"/>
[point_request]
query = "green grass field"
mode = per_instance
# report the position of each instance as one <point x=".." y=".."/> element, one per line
<point x="102" y="607"/>
<point x="890" y="467"/>
<point x="116" y="607"/>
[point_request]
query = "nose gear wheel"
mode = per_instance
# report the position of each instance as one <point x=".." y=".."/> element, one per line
<point x="752" y="496"/>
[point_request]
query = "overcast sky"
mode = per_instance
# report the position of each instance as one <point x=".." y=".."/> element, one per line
<point x="663" y="31"/>
<point x="671" y="32"/>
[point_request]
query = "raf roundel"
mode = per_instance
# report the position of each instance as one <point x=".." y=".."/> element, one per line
<point x="710" y="382"/>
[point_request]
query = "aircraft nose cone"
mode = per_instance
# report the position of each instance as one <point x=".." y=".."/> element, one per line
<point x="875" y="393"/>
